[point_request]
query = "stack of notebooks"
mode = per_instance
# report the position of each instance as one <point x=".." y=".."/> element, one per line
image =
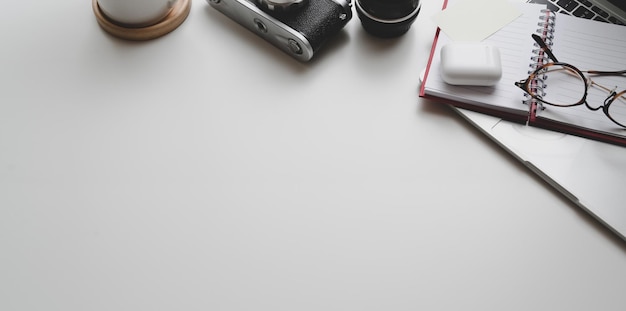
<point x="586" y="44"/>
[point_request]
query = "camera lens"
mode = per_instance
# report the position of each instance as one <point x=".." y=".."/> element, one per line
<point x="387" y="18"/>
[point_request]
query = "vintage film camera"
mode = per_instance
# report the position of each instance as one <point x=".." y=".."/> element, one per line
<point x="298" y="27"/>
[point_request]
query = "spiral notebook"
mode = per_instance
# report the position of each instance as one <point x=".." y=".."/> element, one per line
<point x="583" y="43"/>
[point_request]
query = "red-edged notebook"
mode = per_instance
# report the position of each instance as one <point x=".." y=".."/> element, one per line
<point x="586" y="44"/>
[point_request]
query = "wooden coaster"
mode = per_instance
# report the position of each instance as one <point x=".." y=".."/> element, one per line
<point x="177" y="16"/>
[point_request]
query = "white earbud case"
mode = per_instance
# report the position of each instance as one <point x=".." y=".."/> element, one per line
<point x="470" y="64"/>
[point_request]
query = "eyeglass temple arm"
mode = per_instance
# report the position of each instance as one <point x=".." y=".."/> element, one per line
<point x="544" y="47"/>
<point x="607" y="73"/>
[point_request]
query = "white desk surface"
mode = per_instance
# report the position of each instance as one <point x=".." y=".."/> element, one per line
<point x="207" y="170"/>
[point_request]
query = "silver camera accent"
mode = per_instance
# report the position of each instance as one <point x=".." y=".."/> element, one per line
<point x="249" y="14"/>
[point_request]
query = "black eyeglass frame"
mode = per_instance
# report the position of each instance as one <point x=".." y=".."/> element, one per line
<point x="527" y="86"/>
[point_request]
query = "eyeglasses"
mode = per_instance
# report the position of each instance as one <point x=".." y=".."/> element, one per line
<point x="573" y="87"/>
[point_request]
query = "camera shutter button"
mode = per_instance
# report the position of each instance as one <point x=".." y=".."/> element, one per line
<point x="294" y="46"/>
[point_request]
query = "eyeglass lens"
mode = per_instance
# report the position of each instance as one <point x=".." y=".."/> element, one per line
<point x="617" y="110"/>
<point x="566" y="86"/>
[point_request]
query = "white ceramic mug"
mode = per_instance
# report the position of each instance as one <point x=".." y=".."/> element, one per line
<point x="136" y="13"/>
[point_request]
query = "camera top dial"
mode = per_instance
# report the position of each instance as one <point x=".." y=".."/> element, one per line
<point x="281" y="6"/>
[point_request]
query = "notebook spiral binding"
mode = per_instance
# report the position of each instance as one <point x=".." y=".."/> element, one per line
<point x="546" y="31"/>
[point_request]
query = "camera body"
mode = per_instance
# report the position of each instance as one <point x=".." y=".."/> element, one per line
<point x="298" y="27"/>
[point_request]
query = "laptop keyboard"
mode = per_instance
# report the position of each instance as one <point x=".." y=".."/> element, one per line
<point x="580" y="8"/>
